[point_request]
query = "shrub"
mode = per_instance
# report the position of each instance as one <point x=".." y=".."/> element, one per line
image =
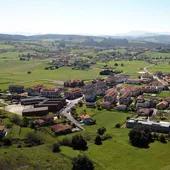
<point x="79" y="142"/>
<point x="101" y="131"/>
<point x="33" y="138"/>
<point x="56" y="148"/>
<point x="98" y="140"/>
<point x="82" y="163"/>
<point x="9" y="125"/>
<point x="118" y="125"/>
<point x="162" y="139"/>
<point x="66" y="142"/>
<point x="16" y="119"/>
<point x="106" y="137"/>
<point x="7" y="141"/>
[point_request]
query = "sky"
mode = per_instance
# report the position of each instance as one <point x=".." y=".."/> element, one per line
<point x="97" y="17"/>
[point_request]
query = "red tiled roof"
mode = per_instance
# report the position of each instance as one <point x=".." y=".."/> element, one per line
<point x="85" y="116"/>
<point x="50" y="89"/>
<point x="60" y="127"/>
<point x="2" y="128"/>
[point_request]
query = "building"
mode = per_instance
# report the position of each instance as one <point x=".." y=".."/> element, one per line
<point x="40" y="111"/>
<point x="147" y="76"/>
<point x="121" y="107"/>
<point x="51" y="92"/>
<point x="74" y="83"/>
<point x="61" y="128"/>
<point x="35" y="90"/>
<point x="125" y="99"/>
<point x="3" y="131"/>
<point x="134" y="81"/>
<point x="111" y="96"/>
<point x="162" y="105"/>
<point x="73" y="93"/>
<point x="90" y="105"/>
<point x="145" y="112"/>
<point x="86" y="119"/>
<point x="106" y="105"/>
<point x="45" y="120"/>
<point x="54" y="105"/>
<point x="90" y="96"/>
<point x="32" y="100"/>
<point x="16" y="88"/>
<point x="162" y="127"/>
<point x="140" y="99"/>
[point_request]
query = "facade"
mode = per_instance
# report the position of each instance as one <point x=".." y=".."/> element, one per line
<point x="73" y="93"/>
<point x="134" y="81"/>
<point x="90" y="96"/>
<point x="145" y="112"/>
<point x="51" y="92"/>
<point x="16" y="88"/>
<point x="111" y="97"/>
<point x="125" y="99"/>
<point x="162" y="127"/>
<point x="32" y="100"/>
<point x="35" y="90"/>
<point x="162" y="105"/>
<point x="121" y="107"/>
<point x="74" y="83"/>
<point x="41" y="111"/>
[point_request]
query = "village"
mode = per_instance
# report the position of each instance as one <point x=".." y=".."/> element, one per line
<point x="118" y="92"/>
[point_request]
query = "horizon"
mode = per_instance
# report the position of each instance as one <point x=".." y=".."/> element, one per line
<point x="93" y="18"/>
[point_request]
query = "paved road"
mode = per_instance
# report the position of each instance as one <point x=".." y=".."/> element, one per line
<point x="155" y="77"/>
<point x="66" y="112"/>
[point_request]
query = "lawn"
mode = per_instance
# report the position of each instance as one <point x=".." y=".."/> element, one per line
<point x="164" y="94"/>
<point x="164" y="67"/>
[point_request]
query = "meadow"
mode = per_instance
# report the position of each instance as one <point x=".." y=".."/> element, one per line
<point x="115" y="153"/>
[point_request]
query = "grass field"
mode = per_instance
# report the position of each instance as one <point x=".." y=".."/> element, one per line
<point x="164" y="94"/>
<point x="157" y="55"/>
<point x="164" y="67"/>
<point x="130" y="67"/>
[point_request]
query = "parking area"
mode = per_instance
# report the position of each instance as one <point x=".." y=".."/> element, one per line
<point x="17" y="108"/>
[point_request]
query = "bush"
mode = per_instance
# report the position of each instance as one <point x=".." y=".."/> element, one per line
<point x="9" y="125"/>
<point x="16" y="119"/>
<point x="33" y="139"/>
<point x="66" y="142"/>
<point x="98" y="140"/>
<point x="25" y="122"/>
<point x="56" y="148"/>
<point x="79" y="142"/>
<point x="106" y="137"/>
<point x="101" y="131"/>
<point x="82" y="163"/>
<point x="162" y="139"/>
<point x="7" y="141"/>
<point x="118" y="125"/>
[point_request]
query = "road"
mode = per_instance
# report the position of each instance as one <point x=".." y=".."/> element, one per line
<point x="155" y="77"/>
<point x="66" y="112"/>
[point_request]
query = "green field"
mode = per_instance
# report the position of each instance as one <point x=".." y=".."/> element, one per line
<point x="115" y="153"/>
<point x="164" y="67"/>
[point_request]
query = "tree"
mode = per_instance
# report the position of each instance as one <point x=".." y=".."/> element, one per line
<point x="79" y="142"/>
<point x="29" y="72"/>
<point x="140" y="137"/>
<point x="118" y="125"/>
<point x="82" y="163"/>
<point x="7" y="141"/>
<point x="98" y="140"/>
<point x="16" y="119"/>
<point x="25" y="122"/>
<point x="162" y="139"/>
<point x="56" y="148"/>
<point x="116" y="64"/>
<point x="33" y="138"/>
<point x="101" y="131"/>
<point x="80" y="103"/>
<point x="122" y="64"/>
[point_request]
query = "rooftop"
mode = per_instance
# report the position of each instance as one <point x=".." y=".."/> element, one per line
<point x="35" y="109"/>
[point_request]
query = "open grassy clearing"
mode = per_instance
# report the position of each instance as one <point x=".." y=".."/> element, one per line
<point x="164" y="94"/>
<point x="164" y="67"/>
<point x="157" y="55"/>
<point x="4" y="46"/>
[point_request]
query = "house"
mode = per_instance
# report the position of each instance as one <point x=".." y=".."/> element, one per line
<point x="73" y="93"/>
<point x="162" y="105"/>
<point x="134" y="81"/>
<point x="168" y="100"/>
<point x="61" y="128"/>
<point x="35" y="90"/>
<point x="40" y="111"/>
<point x="111" y="96"/>
<point x="147" y="76"/>
<point x="32" y="100"/>
<point x="16" y="88"/>
<point x="121" y="107"/>
<point x="51" y="92"/>
<point x="140" y="99"/>
<point x="45" y="120"/>
<point x="3" y="131"/>
<point x="106" y="105"/>
<point x="145" y="112"/>
<point x="146" y="104"/>
<point x="90" y="96"/>
<point x="74" y="83"/>
<point x="90" y="105"/>
<point x="135" y="92"/>
<point x="125" y="99"/>
<point x="149" y="89"/>
<point x="86" y="119"/>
